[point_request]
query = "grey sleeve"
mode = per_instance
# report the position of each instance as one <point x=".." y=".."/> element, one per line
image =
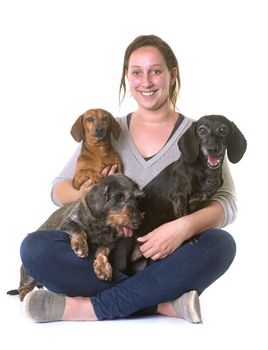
<point x="226" y="196"/>
<point x="67" y="172"/>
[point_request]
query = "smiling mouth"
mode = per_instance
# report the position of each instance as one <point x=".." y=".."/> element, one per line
<point x="147" y="93"/>
<point x="214" y="162"/>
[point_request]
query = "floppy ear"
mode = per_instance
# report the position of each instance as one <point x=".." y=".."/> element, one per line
<point x="237" y="145"/>
<point x="80" y="215"/>
<point x="97" y="198"/>
<point x="188" y="144"/>
<point x="77" y="130"/>
<point x="115" y="127"/>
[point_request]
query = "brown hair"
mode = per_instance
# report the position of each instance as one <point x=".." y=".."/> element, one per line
<point x="166" y="52"/>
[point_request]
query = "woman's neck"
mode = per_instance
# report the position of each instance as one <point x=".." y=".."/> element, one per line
<point x="150" y="131"/>
<point x="157" y="118"/>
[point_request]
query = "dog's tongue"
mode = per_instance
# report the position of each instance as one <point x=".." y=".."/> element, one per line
<point x="213" y="161"/>
<point x="127" y="231"/>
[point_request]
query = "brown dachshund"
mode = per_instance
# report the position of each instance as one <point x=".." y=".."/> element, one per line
<point x="94" y="128"/>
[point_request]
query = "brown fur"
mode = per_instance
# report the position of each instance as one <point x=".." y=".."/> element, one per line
<point x="94" y="129"/>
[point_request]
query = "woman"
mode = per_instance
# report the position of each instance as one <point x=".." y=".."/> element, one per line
<point x="179" y="271"/>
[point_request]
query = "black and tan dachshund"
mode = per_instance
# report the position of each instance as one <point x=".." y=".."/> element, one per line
<point x="188" y="183"/>
<point x="108" y="213"/>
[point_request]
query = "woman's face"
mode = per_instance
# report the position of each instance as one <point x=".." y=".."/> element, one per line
<point x="149" y="78"/>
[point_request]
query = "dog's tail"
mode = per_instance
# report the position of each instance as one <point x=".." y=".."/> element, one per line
<point x="13" y="292"/>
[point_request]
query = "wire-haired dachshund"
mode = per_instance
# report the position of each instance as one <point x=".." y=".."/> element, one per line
<point x="188" y="183"/>
<point x="108" y="213"/>
<point x="94" y="129"/>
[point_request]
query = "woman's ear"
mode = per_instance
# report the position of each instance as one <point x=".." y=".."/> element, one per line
<point x="174" y="75"/>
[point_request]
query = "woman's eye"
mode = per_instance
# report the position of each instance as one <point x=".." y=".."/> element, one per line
<point x="136" y="73"/>
<point x="156" y="72"/>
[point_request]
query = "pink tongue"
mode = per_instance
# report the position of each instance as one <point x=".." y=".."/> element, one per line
<point x="127" y="231"/>
<point x="213" y="160"/>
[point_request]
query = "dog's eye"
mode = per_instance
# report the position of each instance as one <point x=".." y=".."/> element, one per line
<point x="202" y="130"/>
<point x="105" y="118"/>
<point x="90" y="119"/>
<point x="224" y="130"/>
<point x="119" y="197"/>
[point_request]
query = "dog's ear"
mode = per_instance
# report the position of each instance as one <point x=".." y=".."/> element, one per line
<point x="77" y="130"/>
<point x="188" y="144"/>
<point x="115" y="127"/>
<point x="97" y="198"/>
<point x="80" y="214"/>
<point x="237" y="145"/>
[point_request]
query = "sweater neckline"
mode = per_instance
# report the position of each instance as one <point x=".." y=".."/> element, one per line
<point x="177" y="124"/>
<point x="175" y="135"/>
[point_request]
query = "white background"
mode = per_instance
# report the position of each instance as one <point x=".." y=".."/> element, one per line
<point x="60" y="58"/>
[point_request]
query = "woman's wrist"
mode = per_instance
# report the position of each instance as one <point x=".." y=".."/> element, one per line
<point x="210" y="216"/>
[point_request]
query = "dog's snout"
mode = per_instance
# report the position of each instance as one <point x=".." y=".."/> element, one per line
<point x="212" y="148"/>
<point x="99" y="130"/>
<point x="136" y="222"/>
<point x="136" y="219"/>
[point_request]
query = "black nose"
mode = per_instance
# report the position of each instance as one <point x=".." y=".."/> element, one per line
<point x="212" y="148"/>
<point x="136" y="221"/>
<point x="99" y="131"/>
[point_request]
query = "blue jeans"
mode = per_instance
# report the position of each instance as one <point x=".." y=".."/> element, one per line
<point x="48" y="257"/>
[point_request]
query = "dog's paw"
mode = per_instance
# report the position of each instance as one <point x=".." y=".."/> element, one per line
<point x="103" y="268"/>
<point x="136" y="253"/>
<point x="23" y="292"/>
<point x="79" y="245"/>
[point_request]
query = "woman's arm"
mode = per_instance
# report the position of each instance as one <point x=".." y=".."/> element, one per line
<point x="63" y="192"/>
<point x="219" y="212"/>
<point x="162" y="241"/>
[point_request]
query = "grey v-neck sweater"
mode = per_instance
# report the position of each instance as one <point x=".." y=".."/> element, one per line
<point x="143" y="171"/>
<point x="135" y="166"/>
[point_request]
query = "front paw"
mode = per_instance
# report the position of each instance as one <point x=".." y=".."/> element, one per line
<point x="23" y="292"/>
<point x="79" y="245"/>
<point x="103" y="268"/>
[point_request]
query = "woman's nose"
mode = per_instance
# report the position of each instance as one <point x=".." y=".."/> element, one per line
<point x="146" y="80"/>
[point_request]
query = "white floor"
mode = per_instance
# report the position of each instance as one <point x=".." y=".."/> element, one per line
<point x="234" y="312"/>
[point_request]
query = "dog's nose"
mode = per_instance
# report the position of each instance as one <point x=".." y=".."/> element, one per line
<point x="212" y="148"/>
<point x="136" y="221"/>
<point x="99" y="130"/>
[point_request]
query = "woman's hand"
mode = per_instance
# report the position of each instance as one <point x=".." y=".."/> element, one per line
<point x="162" y="241"/>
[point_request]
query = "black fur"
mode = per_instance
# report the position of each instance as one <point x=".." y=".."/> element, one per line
<point x="107" y="214"/>
<point x="188" y="183"/>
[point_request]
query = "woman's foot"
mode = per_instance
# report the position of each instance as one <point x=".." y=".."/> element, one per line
<point x="46" y="306"/>
<point x="186" y="306"/>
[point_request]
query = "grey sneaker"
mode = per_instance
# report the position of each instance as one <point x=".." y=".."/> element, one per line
<point x="44" y="306"/>
<point x="187" y="307"/>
